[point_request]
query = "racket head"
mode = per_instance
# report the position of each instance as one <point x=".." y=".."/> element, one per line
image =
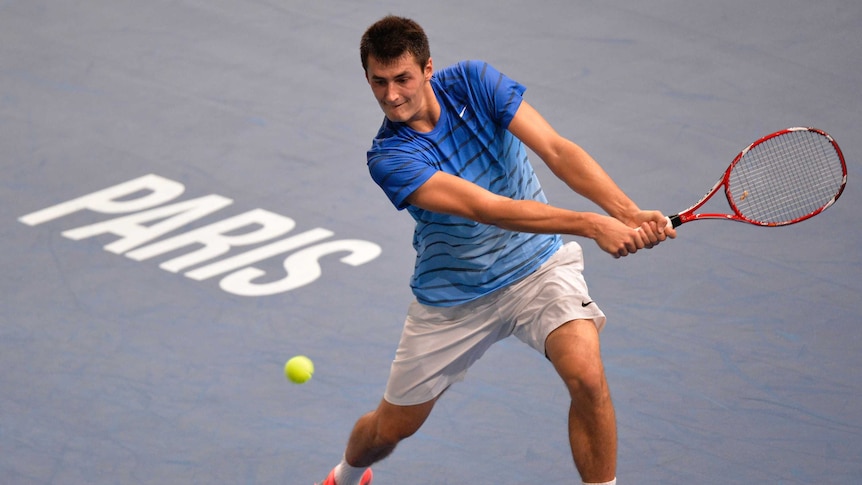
<point x="786" y="177"/>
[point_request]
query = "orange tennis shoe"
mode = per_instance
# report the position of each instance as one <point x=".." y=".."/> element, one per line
<point x="366" y="478"/>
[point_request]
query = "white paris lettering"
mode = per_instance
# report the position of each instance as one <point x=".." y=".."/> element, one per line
<point x="145" y="220"/>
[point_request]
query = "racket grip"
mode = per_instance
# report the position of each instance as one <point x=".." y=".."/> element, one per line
<point x="670" y="221"/>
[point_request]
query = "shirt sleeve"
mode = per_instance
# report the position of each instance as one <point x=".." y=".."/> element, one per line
<point x="398" y="175"/>
<point x="500" y="94"/>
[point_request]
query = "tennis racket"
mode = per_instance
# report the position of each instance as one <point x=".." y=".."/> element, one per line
<point x="780" y="179"/>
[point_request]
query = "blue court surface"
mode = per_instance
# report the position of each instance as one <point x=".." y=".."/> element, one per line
<point x="185" y="205"/>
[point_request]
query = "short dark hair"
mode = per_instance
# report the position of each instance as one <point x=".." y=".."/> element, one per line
<point x="388" y="39"/>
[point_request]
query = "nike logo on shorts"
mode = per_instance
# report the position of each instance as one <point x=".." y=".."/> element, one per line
<point x="587" y="303"/>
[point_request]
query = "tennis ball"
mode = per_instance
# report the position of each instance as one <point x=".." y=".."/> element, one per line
<point x="299" y="369"/>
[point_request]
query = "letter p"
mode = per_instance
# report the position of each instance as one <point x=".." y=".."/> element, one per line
<point x="113" y="200"/>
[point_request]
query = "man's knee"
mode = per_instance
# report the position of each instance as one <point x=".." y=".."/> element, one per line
<point x="575" y="352"/>
<point x="396" y="423"/>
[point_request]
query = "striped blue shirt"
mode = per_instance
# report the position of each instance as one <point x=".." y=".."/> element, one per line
<point x="457" y="259"/>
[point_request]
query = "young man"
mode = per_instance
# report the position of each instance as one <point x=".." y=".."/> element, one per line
<point x="490" y="261"/>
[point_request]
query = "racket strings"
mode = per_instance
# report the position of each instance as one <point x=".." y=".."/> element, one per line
<point x="786" y="177"/>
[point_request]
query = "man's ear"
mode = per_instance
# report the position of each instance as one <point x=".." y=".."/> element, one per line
<point x="429" y="69"/>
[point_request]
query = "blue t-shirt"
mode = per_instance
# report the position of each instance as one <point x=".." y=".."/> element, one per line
<point x="457" y="259"/>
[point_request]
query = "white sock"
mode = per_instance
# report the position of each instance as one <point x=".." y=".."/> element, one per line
<point x="612" y="482"/>
<point x="348" y="475"/>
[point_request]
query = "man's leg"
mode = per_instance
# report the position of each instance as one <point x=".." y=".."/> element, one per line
<point x="575" y="352"/>
<point x="377" y="433"/>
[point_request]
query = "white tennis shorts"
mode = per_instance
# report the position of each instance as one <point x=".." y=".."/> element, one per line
<point x="439" y="344"/>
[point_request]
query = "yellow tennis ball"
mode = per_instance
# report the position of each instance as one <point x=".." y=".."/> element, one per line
<point x="299" y="369"/>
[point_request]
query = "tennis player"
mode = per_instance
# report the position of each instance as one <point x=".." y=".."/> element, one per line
<point x="490" y="261"/>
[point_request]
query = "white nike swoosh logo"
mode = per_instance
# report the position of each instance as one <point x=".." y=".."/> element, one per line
<point x="461" y="114"/>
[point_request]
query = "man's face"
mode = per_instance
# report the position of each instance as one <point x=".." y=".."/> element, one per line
<point x="400" y="87"/>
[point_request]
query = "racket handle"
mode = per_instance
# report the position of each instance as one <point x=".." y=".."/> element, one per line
<point x="670" y="221"/>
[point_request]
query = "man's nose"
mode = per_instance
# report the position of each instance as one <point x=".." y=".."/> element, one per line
<point x="391" y="94"/>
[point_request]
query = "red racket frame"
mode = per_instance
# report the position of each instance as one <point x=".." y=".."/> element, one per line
<point x="688" y="215"/>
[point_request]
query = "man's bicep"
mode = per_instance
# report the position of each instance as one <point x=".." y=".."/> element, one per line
<point x="447" y="194"/>
<point x="534" y="131"/>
